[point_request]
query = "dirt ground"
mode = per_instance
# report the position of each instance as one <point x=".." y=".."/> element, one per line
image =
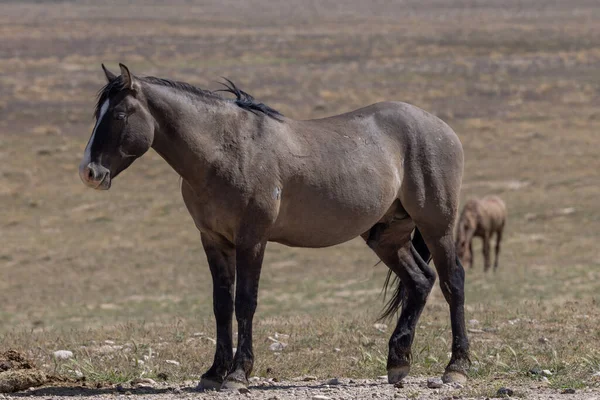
<point x="119" y="278"/>
<point x="342" y="389"/>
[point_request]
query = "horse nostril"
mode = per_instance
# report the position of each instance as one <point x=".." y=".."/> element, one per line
<point x="91" y="173"/>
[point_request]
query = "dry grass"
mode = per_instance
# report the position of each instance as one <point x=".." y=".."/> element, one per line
<point x="518" y="81"/>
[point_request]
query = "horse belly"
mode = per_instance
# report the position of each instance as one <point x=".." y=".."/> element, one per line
<point x="315" y="218"/>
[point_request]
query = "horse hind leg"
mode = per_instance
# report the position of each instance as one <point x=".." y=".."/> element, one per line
<point x="452" y="280"/>
<point x="497" y="250"/>
<point x="414" y="281"/>
<point x="436" y="223"/>
<point x="486" y="251"/>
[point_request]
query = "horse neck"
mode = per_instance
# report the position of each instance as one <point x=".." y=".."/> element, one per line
<point x="189" y="128"/>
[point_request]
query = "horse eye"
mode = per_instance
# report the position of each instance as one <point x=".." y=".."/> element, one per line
<point x="120" y="116"/>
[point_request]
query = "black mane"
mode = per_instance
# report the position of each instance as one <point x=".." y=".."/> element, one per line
<point x="247" y="102"/>
<point x="242" y="100"/>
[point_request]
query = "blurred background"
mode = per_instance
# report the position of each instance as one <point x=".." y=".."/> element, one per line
<point x="519" y="81"/>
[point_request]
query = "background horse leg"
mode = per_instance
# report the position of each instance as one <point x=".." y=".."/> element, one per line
<point x="498" y="240"/>
<point x="469" y="260"/>
<point x="249" y="262"/>
<point x="486" y="252"/>
<point x="452" y="283"/>
<point x="416" y="281"/>
<point x="221" y="259"/>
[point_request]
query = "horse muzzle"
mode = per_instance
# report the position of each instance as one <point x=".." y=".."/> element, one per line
<point x="95" y="176"/>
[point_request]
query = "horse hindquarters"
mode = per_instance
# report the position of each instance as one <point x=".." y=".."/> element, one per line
<point x="429" y="193"/>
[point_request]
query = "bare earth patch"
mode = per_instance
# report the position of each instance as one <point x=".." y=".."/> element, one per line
<point x="17" y="373"/>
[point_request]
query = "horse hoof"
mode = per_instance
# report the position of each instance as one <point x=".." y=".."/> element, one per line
<point x="234" y="385"/>
<point x="454" y="377"/>
<point x="396" y="374"/>
<point x="208" y="384"/>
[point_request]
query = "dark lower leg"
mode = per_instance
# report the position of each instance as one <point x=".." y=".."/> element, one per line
<point x="452" y="281"/>
<point x="497" y="251"/>
<point x="249" y="263"/>
<point x="471" y="255"/>
<point x="486" y="253"/>
<point x="221" y="259"/>
<point x="418" y="279"/>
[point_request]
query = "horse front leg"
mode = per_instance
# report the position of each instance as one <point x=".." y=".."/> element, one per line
<point x="221" y="259"/>
<point x="249" y="263"/>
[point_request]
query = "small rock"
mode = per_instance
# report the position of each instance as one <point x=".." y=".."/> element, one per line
<point x="78" y="373"/>
<point x="63" y="354"/>
<point x="143" y="383"/>
<point x="277" y="346"/>
<point x="337" y="349"/>
<point x="543" y="340"/>
<point x="280" y="336"/>
<point x="399" y="385"/>
<point x="382" y="377"/>
<point x="109" y="342"/>
<point x="473" y="322"/>
<point x="535" y="371"/>
<point x="254" y="379"/>
<point x="320" y="397"/>
<point x="120" y="388"/>
<point x="505" y="392"/>
<point x="173" y="362"/>
<point x="198" y="334"/>
<point x="546" y="372"/>
<point x="568" y="391"/>
<point x="434" y="383"/>
<point x="244" y="390"/>
<point x="308" y="378"/>
<point x="545" y="380"/>
<point x="380" y="327"/>
<point x="334" y="381"/>
<point x="177" y="390"/>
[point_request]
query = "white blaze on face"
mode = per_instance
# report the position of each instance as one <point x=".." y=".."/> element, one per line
<point x="87" y="156"/>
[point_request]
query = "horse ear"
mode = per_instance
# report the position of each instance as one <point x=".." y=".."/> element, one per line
<point x="128" y="78"/>
<point x="109" y="75"/>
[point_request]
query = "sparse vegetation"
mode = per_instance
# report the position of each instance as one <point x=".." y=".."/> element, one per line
<point x="518" y="82"/>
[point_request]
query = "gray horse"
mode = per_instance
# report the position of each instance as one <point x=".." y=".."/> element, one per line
<point x="251" y="175"/>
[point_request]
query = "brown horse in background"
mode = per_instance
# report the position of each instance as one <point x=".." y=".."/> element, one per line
<point x="483" y="218"/>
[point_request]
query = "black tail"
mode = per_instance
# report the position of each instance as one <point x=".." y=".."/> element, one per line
<point x="395" y="302"/>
